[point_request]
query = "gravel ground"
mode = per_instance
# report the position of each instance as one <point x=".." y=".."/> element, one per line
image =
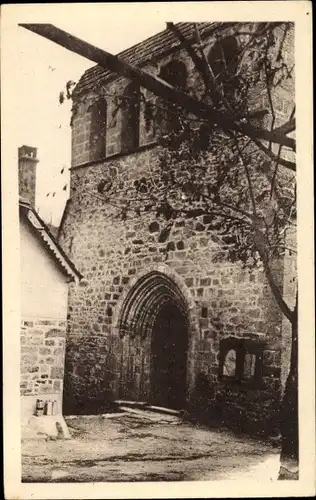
<point x="144" y="446"/>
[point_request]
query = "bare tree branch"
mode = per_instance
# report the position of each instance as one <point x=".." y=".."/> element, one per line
<point x="155" y="84"/>
<point x="192" y="53"/>
<point x="277" y="163"/>
<point x="217" y="96"/>
<point x="252" y="196"/>
<point x="285" y="163"/>
<point x="260" y="243"/>
<point x="287" y="127"/>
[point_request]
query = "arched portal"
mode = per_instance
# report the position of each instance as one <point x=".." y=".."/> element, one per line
<point x="156" y="322"/>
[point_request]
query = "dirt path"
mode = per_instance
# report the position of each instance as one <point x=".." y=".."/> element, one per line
<point x="145" y="447"/>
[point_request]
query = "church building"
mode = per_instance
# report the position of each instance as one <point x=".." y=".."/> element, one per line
<point x="161" y="317"/>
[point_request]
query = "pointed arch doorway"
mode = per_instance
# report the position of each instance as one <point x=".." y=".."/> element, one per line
<point x="155" y="323"/>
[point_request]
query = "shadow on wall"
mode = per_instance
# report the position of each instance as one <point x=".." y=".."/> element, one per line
<point x="97" y="399"/>
<point x="234" y="407"/>
<point x="203" y="409"/>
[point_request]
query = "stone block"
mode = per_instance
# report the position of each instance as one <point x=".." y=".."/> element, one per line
<point x="28" y="323"/>
<point x="154" y="227"/>
<point x="268" y="357"/>
<point x="44" y="350"/>
<point x="46" y="389"/>
<point x="58" y="351"/>
<point x="277" y="358"/>
<point x="272" y="372"/>
<point x="54" y="333"/>
<point x="189" y="282"/>
<point x="29" y="349"/>
<point x="50" y="342"/>
<point x="57" y="372"/>
<point x="46" y="322"/>
<point x="28" y="358"/>
<point x="57" y="385"/>
<point x="205" y="281"/>
<point x="199" y="227"/>
<point x="33" y="369"/>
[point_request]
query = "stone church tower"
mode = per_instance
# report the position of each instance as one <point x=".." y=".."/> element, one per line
<point x="165" y="320"/>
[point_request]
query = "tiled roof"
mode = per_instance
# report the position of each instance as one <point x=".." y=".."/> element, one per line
<point x="152" y="48"/>
<point x="48" y="240"/>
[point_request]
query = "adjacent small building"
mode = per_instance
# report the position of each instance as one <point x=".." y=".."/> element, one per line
<point x="44" y="277"/>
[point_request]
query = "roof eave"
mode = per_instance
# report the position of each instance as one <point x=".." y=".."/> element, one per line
<point x="82" y="89"/>
<point x="45" y="235"/>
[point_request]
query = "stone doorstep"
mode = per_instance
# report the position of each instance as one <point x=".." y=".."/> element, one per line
<point x="125" y="410"/>
<point x="137" y="407"/>
<point x="101" y="415"/>
<point x="136" y="411"/>
<point x="160" y="409"/>
<point x="152" y="416"/>
<point x="145" y="406"/>
<point x="131" y="404"/>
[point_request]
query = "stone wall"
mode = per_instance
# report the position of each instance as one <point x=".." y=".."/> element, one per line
<point x="42" y="358"/>
<point x="130" y="266"/>
<point x="84" y="142"/>
<point x="113" y="255"/>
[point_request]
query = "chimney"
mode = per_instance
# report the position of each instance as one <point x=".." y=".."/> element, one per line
<point x="27" y="173"/>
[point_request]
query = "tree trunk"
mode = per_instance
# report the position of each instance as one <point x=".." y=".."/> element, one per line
<point x="289" y="413"/>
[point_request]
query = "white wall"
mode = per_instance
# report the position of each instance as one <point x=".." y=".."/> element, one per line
<point x="44" y="288"/>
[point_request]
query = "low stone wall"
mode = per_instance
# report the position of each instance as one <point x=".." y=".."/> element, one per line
<point x="42" y="362"/>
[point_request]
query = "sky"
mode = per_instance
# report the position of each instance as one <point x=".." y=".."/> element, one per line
<point x="39" y="70"/>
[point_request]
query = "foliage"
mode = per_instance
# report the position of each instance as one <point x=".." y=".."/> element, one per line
<point x="245" y="186"/>
<point x="206" y="171"/>
<point x="243" y="183"/>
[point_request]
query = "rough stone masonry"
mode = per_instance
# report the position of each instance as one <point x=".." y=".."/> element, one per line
<point x="155" y="318"/>
<point x="42" y="356"/>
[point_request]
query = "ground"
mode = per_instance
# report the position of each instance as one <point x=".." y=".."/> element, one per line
<point x="139" y="445"/>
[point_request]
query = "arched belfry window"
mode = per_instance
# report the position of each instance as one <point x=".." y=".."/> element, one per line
<point x="130" y="117"/>
<point x="97" y="138"/>
<point x="174" y="73"/>
<point x="223" y="58"/>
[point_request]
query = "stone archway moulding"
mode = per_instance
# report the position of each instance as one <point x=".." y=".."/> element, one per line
<point x="175" y="277"/>
<point x="190" y="305"/>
